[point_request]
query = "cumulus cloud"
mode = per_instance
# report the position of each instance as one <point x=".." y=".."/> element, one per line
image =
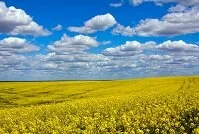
<point x="125" y="31"/>
<point x="183" y="2"/>
<point x="71" y="53"/>
<point x="97" y="23"/>
<point x="15" y="21"/>
<point x="83" y="57"/>
<point x="16" y="45"/>
<point x="178" y="46"/>
<point x="71" y="59"/>
<point x="130" y="48"/>
<point x="172" y="24"/>
<point x="12" y="58"/>
<point x="8" y="65"/>
<point x="159" y="57"/>
<point x="76" y="44"/>
<point x="178" y="8"/>
<point x="150" y="58"/>
<point x="57" y="28"/>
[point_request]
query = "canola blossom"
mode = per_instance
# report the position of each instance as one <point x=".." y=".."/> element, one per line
<point x="140" y="106"/>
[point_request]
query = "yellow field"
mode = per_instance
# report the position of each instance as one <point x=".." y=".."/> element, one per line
<point x="150" y="105"/>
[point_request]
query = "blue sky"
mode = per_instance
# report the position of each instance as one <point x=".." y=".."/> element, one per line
<point x="100" y="39"/>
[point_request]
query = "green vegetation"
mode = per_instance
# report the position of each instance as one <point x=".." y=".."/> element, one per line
<point x="150" y="105"/>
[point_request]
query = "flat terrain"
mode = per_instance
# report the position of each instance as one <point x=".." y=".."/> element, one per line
<point x="32" y="93"/>
<point x="148" y="105"/>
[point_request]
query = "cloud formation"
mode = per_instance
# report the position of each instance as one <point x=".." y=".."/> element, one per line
<point x="97" y="23"/>
<point x="15" y="21"/>
<point x="178" y="46"/>
<point x="158" y="2"/>
<point x="12" y="57"/>
<point x="178" y="8"/>
<point x="119" y="4"/>
<point x="130" y="48"/>
<point x="125" y="31"/>
<point x="82" y="57"/>
<point x="16" y="45"/>
<point x="172" y="24"/>
<point x="70" y="58"/>
<point x="76" y="44"/>
<point x="57" y="28"/>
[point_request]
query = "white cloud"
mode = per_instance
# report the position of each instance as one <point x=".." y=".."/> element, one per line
<point x="116" y="4"/>
<point x="150" y="58"/>
<point x="11" y="61"/>
<point x="70" y="52"/>
<point x="106" y="42"/>
<point x="16" y="21"/>
<point x="31" y="29"/>
<point x="159" y="57"/>
<point x="177" y="8"/>
<point x="76" y="44"/>
<point x="16" y="45"/>
<point x="133" y="48"/>
<point x="97" y="23"/>
<point x="125" y="31"/>
<point x="183" y="2"/>
<point x="136" y="2"/>
<point x="66" y="61"/>
<point x="178" y="46"/>
<point x="47" y="66"/>
<point x="57" y="28"/>
<point x="172" y="24"/>
<point x="83" y="57"/>
<point x="130" y="48"/>
<point x="12" y="58"/>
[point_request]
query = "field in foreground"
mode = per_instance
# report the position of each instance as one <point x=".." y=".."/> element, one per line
<point x="150" y="105"/>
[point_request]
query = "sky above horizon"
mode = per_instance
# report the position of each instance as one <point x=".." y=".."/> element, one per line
<point x="99" y="39"/>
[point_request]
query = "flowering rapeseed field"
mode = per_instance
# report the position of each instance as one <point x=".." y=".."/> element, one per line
<point x="151" y="105"/>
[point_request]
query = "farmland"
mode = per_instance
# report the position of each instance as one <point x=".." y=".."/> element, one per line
<point x="147" y="105"/>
